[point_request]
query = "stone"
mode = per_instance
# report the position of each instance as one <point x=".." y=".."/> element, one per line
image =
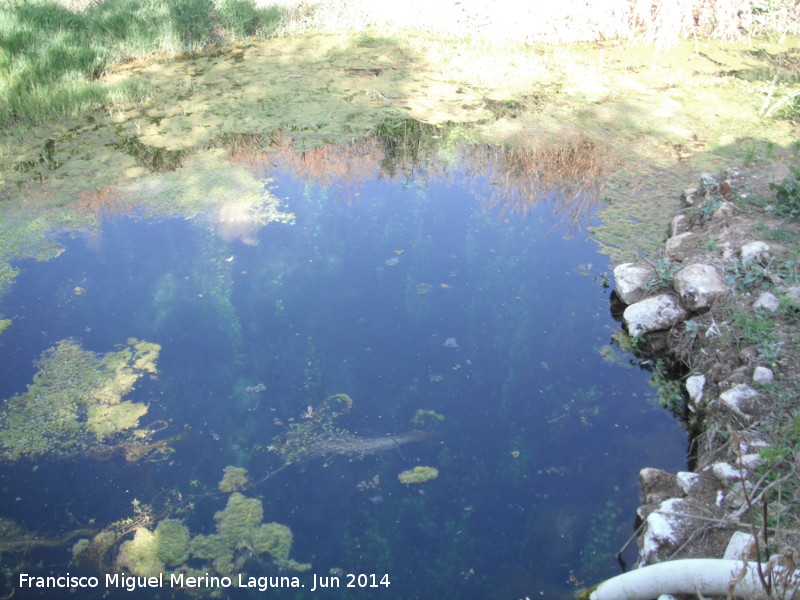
<point x="754" y="251"/>
<point x="727" y="189"/>
<point x="674" y="243"/>
<point x="763" y="375"/>
<point x="793" y="296"/>
<point x="748" y="461"/>
<point x="726" y="472"/>
<point x="741" y="399"/>
<point x="726" y="249"/>
<point x="653" y="314"/>
<point x="679" y="224"/>
<point x="632" y="281"/>
<point x="741" y="546"/>
<point x="724" y="210"/>
<point x="767" y="301"/>
<point x="663" y="531"/>
<point x="687" y="480"/>
<point x="691" y="196"/>
<point x="699" y="286"/>
<point x="750" y="444"/>
<point x="656" y="485"/>
<point x="694" y="387"/>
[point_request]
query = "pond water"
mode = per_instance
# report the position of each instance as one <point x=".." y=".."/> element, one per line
<point x="407" y="294"/>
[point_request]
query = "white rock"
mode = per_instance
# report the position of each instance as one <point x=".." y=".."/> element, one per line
<point x="699" y="286"/>
<point x="678" y="225"/>
<point x="740" y="546"/>
<point x="793" y="295"/>
<point x="763" y="375"/>
<point x="767" y="301"/>
<point x="652" y="314"/>
<point x="741" y="399"/>
<point x="754" y="251"/>
<point x="687" y="480"/>
<point x="726" y="472"/>
<point x="724" y="210"/>
<point x="747" y="446"/>
<point x="748" y="461"/>
<point x="694" y="387"/>
<point x="691" y="196"/>
<point x="660" y="529"/>
<point x="631" y="281"/>
<point x="674" y="243"/>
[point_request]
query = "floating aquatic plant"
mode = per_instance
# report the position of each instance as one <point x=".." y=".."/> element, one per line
<point x="75" y="404"/>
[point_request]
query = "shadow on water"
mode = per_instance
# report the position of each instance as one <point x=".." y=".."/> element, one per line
<point x="431" y="288"/>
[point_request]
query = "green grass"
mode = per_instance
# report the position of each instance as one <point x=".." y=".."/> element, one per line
<point x="52" y="60"/>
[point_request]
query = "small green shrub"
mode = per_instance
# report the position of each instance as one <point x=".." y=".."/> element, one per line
<point x="787" y="194"/>
<point x="665" y="270"/>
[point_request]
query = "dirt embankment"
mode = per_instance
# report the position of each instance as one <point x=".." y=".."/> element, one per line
<point x="717" y="312"/>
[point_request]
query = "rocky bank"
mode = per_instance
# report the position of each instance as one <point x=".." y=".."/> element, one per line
<point x="717" y="313"/>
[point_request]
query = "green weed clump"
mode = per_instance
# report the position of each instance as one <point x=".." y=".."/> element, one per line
<point x="787" y="194"/>
<point x="52" y="59"/>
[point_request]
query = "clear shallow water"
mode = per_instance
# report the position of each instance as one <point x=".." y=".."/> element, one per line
<point x="542" y="439"/>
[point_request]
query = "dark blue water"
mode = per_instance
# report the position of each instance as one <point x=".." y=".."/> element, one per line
<point x="541" y="441"/>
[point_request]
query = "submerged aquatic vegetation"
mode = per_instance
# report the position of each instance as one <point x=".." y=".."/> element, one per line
<point x="75" y="404"/>
<point x="418" y="474"/>
<point x="317" y="436"/>
<point x="240" y="534"/>
<point x="233" y="479"/>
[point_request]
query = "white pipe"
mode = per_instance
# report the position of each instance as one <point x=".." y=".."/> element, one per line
<point x="707" y="576"/>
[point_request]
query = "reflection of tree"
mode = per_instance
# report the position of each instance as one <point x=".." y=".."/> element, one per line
<point x="322" y="165"/>
<point x="397" y="149"/>
<point x="568" y="174"/>
<point x="106" y="202"/>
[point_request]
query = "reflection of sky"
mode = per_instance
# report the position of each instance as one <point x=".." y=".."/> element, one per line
<point x="314" y="309"/>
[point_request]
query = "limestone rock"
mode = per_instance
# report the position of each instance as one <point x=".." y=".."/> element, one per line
<point x="674" y="243"/>
<point x="767" y="301"/>
<point x="691" y="196"/>
<point x="727" y="473"/>
<point x="724" y="210"/>
<point x="679" y="224"/>
<point x="631" y="281"/>
<point x="687" y="480"/>
<point x="741" y="399"/>
<point x="748" y="461"/>
<point x="793" y="296"/>
<point x="755" y="251"/>
<point x="657" y="485"/>
<point x="664" y="531"/>
<point x="699" y="286"/>
<point x="652" y="314"/>
<point x="694" y="387"/>
<point x="763" y="375"/>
